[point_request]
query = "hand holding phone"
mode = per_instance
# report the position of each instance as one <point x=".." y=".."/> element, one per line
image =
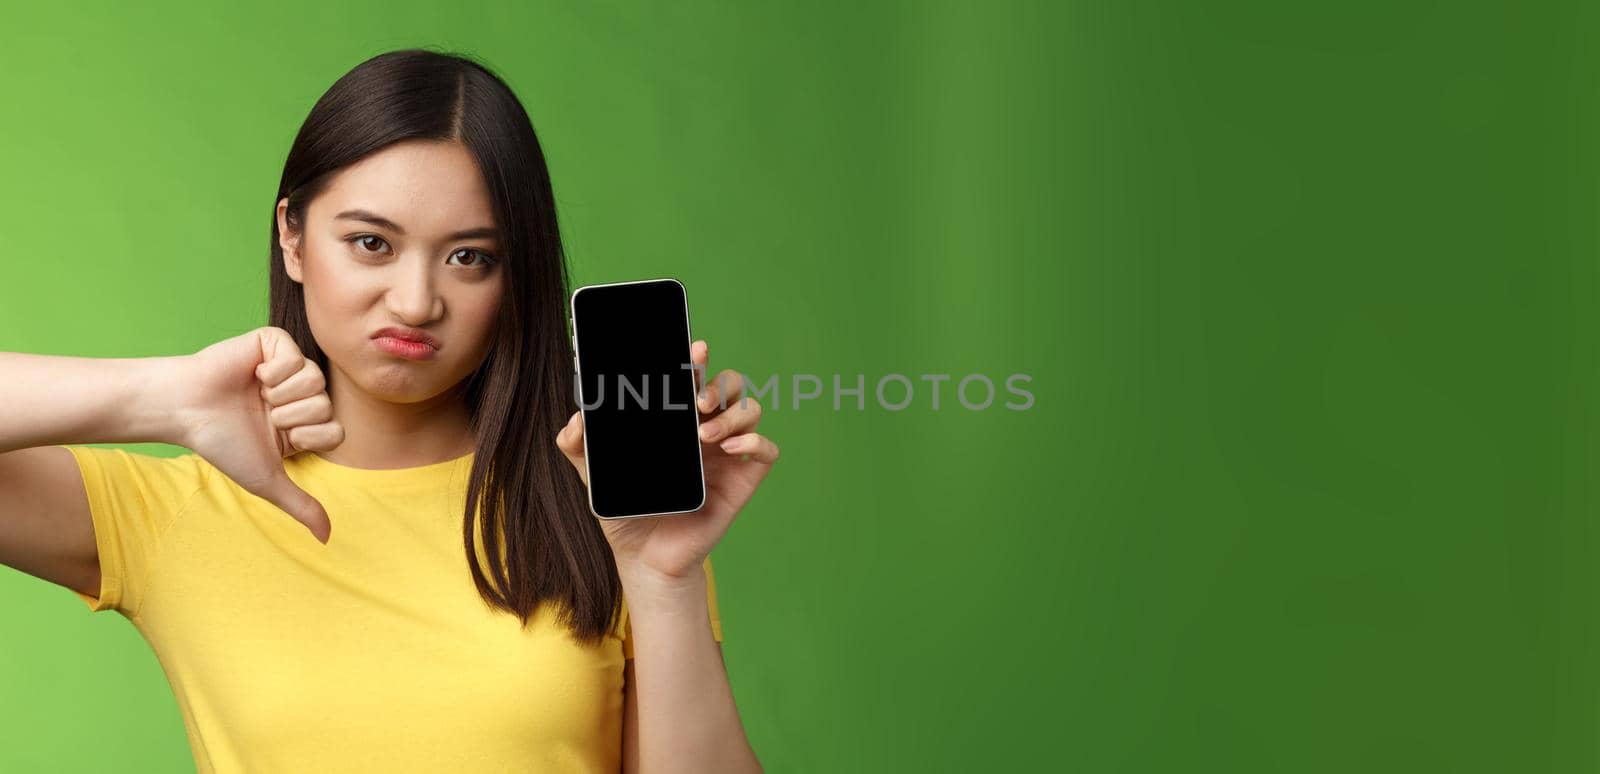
<point x="695" y="456"/>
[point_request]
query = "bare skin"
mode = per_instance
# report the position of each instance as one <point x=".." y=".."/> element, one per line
<point x="382" y="247"/>
<point x="361" y="276"/>
<point x="679" y="710"/>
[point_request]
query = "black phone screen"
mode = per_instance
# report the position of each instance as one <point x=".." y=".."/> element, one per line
<point x="637" y="395"/>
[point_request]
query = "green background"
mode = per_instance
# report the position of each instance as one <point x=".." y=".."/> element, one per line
<point x="1307" y="292"/>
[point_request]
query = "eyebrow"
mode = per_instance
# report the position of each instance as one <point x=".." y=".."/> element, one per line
<point x="378" y="220"/>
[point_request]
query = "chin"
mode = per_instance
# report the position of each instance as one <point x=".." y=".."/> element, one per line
<point x="404" y="382"/>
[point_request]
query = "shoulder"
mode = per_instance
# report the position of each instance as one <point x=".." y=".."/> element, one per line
<point x="148" y="473"/>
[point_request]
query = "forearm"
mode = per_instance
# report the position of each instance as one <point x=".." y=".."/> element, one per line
<point x="48" y="399"/>
<point x="686" y="713"/>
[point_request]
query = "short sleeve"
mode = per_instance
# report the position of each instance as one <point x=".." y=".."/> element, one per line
<point x="711" y="607"/>
<point x="133" y="499"/>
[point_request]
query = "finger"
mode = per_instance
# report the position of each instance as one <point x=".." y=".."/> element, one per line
<point x="280" y="359"/>
<point x="570" y="441"/>
<point x="282" y="492"/>
<point x="759" y="447"/>
<point x="699" y="351"/>
<point x="304" y="383"/>
<point x="319" y="437"/>
<point x="307" y="411"/>
<point x="740" y="417"/>
<point x="570" y="438"/>
<point x="724" y="388"/>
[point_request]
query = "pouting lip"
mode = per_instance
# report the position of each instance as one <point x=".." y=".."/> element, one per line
<point x="408" y="334"/>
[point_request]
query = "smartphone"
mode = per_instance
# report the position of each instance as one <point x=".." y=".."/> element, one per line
<point x="637" y="388"/>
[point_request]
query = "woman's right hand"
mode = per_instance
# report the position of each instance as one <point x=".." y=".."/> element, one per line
<point x="248" y="402"/>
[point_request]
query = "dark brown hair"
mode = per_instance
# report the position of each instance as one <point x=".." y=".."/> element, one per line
<point x="524" y="501"/>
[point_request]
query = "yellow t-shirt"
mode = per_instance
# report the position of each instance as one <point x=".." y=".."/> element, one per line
<point x="373" y="652"/>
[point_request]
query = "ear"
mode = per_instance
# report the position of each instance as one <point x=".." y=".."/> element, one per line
<point x="290" y="242"/>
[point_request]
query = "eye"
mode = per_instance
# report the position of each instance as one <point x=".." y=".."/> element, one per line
<point x="485" y="260"/>
<point x="362" y="240"/>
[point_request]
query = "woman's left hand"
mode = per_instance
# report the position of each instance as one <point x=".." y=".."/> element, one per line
<point x="736" y="460"/>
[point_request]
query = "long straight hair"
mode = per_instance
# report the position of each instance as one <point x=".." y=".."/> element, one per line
<point x="524" y="501"/>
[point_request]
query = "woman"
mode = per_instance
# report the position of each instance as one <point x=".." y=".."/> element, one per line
<point x="405" y="623"/>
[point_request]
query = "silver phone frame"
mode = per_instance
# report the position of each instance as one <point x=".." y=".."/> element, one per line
<point x="577" y="375"/>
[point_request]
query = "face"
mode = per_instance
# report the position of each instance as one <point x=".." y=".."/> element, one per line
<point x="402" y="238"/>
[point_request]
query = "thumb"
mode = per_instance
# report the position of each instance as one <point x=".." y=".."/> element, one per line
<point x="570" y="441"/>
<point x="284" y="493"/>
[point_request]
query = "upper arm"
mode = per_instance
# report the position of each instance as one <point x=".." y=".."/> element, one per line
<point x="45" y="526"/>
<point x="92" y="518"/>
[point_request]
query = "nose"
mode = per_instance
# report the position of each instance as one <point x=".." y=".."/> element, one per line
<point x="412" y="299"/>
